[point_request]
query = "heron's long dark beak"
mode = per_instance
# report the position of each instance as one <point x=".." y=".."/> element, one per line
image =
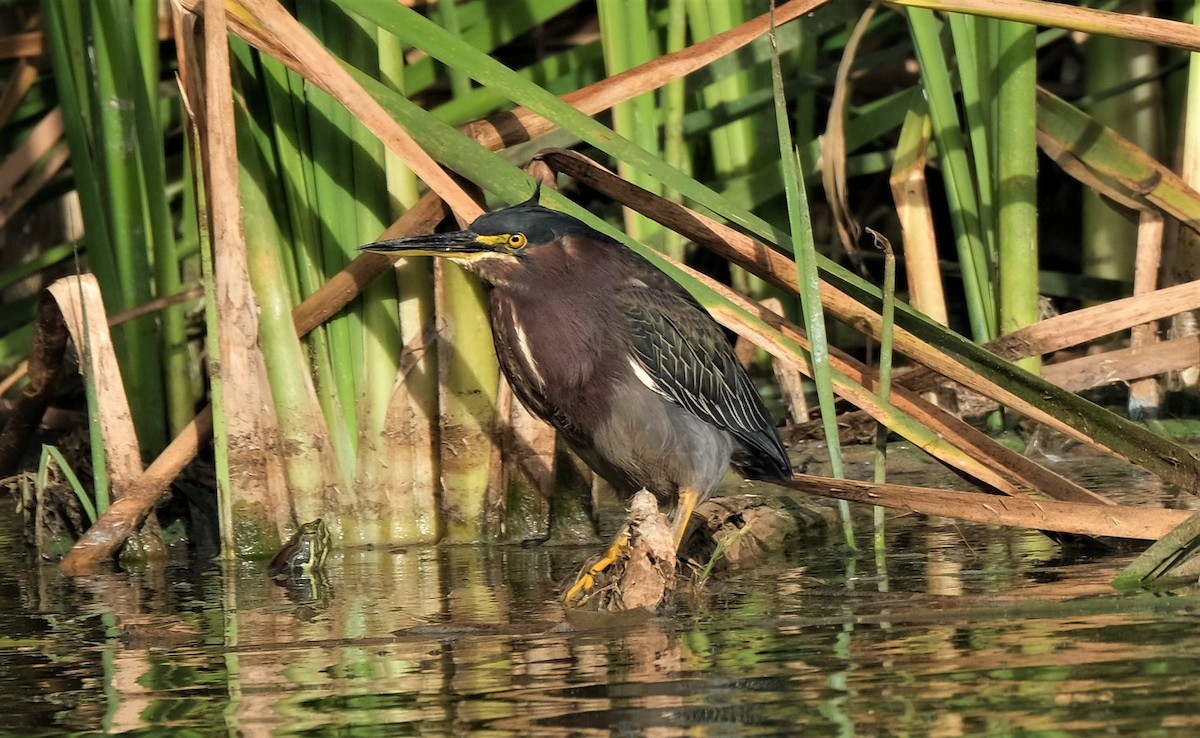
<point x="461" y="244"/>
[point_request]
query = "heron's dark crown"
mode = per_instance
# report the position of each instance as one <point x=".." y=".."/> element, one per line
<point x="539" y="224"/>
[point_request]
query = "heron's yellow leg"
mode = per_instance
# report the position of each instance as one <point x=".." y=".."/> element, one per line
<point x="587" y="579"/>
<point x="688" y="499"/>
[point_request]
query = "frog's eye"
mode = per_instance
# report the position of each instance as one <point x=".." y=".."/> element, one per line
<point x="517" y="241"/>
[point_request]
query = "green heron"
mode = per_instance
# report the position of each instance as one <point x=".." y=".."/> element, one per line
<point x="618" y="357"/>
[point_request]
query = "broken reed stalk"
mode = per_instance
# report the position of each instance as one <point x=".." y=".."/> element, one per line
<point x="116" y="453"/>
<point x="115" y="525"/>
<point x="1145" y="394"/>
<point x="72" y="307"/>
<point x="910" y="191"/>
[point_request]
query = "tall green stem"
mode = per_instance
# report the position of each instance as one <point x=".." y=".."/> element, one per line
<point x="965" y="211"/>
<point x="1016" y="184"/>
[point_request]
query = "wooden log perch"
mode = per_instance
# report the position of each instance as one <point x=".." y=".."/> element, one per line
<point x="643" y="574"/>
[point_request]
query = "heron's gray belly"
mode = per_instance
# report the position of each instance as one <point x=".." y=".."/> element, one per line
<point x="659" y="445"/>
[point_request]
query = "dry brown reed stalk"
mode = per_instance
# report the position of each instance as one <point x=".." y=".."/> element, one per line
<point x="1110" y="521"/>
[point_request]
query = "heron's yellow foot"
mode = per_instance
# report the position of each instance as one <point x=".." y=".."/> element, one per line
<point x="586" y="581"/>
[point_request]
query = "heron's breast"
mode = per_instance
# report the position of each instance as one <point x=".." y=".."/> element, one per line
<point x="557" y="359"/>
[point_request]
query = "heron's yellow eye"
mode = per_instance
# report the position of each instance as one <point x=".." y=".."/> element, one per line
<point x="516" y="241"/>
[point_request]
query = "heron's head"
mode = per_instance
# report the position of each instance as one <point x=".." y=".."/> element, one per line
<point x="501" y="245"/>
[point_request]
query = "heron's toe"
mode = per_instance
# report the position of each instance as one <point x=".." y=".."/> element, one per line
<point x="595" y="572"/>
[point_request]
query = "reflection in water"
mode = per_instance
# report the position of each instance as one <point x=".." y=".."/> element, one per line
<point x="991" y="637"/>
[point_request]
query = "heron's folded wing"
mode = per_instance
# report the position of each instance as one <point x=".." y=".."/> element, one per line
<point x="681" y="353"/>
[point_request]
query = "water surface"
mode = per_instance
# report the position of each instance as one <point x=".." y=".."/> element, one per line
<point x="970" y="631"/>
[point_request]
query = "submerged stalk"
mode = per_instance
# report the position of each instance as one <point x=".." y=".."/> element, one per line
<point x="888" y="315"/>
<point x="412" y="458"/>
<point x="303" y="435"/>
<point x="469" y="378"/>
